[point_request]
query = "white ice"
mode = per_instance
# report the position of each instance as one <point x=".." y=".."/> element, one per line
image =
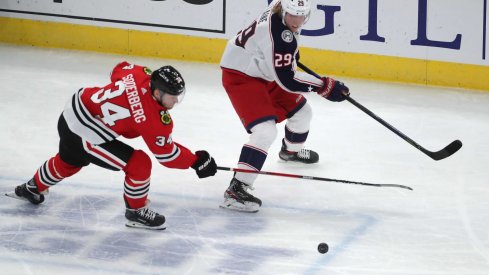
<point x="442" y="227"/>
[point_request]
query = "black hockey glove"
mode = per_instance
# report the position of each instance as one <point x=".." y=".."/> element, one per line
<point x="333" y="90"/>
<point x="204" y="166"/>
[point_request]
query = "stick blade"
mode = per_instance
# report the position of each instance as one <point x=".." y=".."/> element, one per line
<point x="449" y="150"/>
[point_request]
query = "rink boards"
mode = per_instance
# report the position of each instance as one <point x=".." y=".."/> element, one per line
<point x="434" y="42"/>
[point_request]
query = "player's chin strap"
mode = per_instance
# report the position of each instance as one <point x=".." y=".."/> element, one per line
<point x="311" y="177"/>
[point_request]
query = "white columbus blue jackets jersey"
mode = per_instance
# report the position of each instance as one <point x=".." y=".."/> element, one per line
<point x="267" y="49"/>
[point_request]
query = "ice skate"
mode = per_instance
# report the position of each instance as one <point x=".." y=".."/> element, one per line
<point x="237" y="198"/>
<point x="303" y="156"/>
<point x="144" y="218"/>
<point x="27" y="192"/>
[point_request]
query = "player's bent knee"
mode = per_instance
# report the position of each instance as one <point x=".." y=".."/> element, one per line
<point x="263" y="134"/>
<point x="62" y="168"/>
<point x="304" y="114"/>
<point x="139" y="166"/>
<point x="301" y="120"/>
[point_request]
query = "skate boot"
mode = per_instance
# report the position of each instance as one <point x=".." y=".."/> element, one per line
<point x="28" y="192"/>
<point x="237" y="198"/>
<point x="144" y="218"/>
<point x="303" y="156"/>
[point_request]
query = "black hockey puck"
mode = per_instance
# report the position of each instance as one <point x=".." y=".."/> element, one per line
<point x="323" y="248"/>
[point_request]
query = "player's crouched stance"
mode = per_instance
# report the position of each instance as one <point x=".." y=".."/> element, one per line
<point x="260" y="76"/>
<point x="134" y="104"/>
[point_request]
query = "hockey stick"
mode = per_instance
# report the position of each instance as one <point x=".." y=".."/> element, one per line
<point x="310" y="177"/>
<point x="449" y="150"/>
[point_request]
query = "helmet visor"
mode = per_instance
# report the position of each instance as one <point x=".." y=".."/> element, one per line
<point x="181" y="96"/>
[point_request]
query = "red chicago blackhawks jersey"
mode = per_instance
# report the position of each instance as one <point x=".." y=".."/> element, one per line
<point x="125" y="107"/>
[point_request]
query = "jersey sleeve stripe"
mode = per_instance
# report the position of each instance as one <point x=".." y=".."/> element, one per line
<point x="169" y="157"/>
<point x="305" y="82"/>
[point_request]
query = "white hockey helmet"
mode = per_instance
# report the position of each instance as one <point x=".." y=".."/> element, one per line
<point x="296" y="7"/>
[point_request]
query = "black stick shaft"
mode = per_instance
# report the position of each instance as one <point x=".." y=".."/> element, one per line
<point x="445" y="152"/>
<point x="310" y="177"/>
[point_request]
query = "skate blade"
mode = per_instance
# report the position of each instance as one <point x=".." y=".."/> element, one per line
<point x="234" y="205"/>
<point x="13" y="195"/>
<point x="142" y="226"/>
<point x="297" y="163"/>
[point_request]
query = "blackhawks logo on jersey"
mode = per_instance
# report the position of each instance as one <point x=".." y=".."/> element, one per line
<point x="147" y="70"/>
<point x="165" y="117"/>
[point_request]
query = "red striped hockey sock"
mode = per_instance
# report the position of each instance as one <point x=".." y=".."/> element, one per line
<point x="137" y="181"/>
<point x="53" y="171"/>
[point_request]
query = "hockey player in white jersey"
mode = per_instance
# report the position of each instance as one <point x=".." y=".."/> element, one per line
<point x="259" y="74"/>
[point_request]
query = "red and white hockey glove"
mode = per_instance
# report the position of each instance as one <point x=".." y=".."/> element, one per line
<point x="333" y="90"/>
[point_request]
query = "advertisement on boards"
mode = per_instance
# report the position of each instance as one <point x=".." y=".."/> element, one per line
<point x="442" y="30"/>
<point x="445" y="30"/>
<point x="205" y="16"/>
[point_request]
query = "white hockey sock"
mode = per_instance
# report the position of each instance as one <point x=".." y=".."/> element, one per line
<point x="254" y="152"/>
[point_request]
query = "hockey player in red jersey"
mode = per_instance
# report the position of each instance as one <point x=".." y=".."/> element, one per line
<point x="259" y="74"/>
<point x="135" y="104"/>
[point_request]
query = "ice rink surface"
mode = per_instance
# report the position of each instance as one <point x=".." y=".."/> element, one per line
<point x="442" y="227"/>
